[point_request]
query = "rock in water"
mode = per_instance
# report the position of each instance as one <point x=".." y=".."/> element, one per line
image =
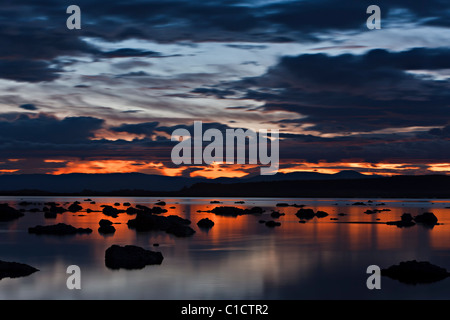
<point x="173" y="224"/>
<point x="272" y="224"/>
<point x="75" y="207"/>
<point x="282" y="204"/>
<point x="58" y="229"/>
<point x="111" y="211"/>
<point x="205" y="223"/>
<point x="321" y="214"/>
<point x="15" y="270"/>
<point x="426" y="218"/>
<point x="305" y="214"/>
<point x="414" y="272"/>
<point x="229" y="211"/>
<point x="405" y="222"/>
<point x="106" y="227"/>
<point x="130" y="257"/>
<point x="8" y="213"/>
<point x="276" y="214"/>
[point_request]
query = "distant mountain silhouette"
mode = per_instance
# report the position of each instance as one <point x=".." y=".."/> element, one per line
<point x="296" y="184"/>
<point x="427" y="186"/>
<point x="77" y="182"/>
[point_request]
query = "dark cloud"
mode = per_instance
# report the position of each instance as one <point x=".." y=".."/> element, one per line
<point x="28" y="70"/>
<point x="133" y="74"/>
<point x="129" y="52"/>
<point x="28" y="106"/>
<point x="218" y="93"/>
<point x="34" y="35"/>
<point x="190" y="127"/>
<point x="146" y="128"/>
<point x="48" y="129"/>
<point x="350" y="93"/>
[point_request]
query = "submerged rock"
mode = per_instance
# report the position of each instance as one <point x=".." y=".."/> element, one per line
<point x="272" y="224"/>
<point x="8" y="213"/>
<point x="205" y="223"/>
<point x="415" y="272"/>
<point x="130" y="257"/>
<point x="160" y="203"/>
<point x="58" y="229"/>
<point x="15" y="270"/>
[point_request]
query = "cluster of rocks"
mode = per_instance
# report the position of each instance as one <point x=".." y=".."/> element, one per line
<point x="308" y="214"/>
<point x="234" y="211"/>
<point x="172" y="224"/>
<point x="427" y="219"/>
<point x="58" y="229"/>
<point x="131" y="257"/>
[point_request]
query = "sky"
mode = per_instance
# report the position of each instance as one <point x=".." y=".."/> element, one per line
<point x="106" y="98"/>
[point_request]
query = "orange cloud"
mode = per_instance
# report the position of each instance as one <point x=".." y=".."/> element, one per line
<point x="216" y="170"/>
<point x="109" y="166"/>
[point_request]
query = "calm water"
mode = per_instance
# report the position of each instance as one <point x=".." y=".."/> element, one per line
<point x="238" y="258"/>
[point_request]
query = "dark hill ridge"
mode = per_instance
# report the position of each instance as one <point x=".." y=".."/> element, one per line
<point x="283" y="185"/>
<point x="428" y="186"/>
<point x="77" y="182"/>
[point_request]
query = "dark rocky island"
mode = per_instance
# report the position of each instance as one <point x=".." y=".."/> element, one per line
<point x="15" y="270"/>
<point x="415" y="272"/>
<point x="106" y="227"/>
<point x="308" y="214"/>
<point x="131" y="257"/>
<point x="235" y="211"/>
<point x="405" y="222"/>
<point x="58" y="229"/>
<point x="173" y="224"/>
<point x="205" y="223"/>
<point x="8" y="213"/>
<point x="427" y="219"/>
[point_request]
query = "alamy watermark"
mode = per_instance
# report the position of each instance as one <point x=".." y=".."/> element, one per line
<point x="374" y="21"/>
<point x="374" y="280"/>
<point x="74" y="280"/>
<point x="236" y="145"/>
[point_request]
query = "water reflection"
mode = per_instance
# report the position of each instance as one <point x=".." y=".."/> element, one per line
<point x="238" y="258"/>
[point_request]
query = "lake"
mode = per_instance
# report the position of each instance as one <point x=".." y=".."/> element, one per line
<point x="238" y="258"/>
